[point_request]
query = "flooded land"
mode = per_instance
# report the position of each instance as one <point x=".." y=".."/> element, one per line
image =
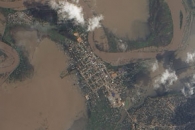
<point x="130" y="73"/>
<point x="120" y="58"/>
<point x="44" y="101"/>
<point x="2" y="24"/>
<point x="127" y="18"/>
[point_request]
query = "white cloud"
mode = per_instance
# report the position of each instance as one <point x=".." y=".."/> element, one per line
<point x="190" y="57"/>
<point x="72" y="11"/>
<point x="68" y="11"/>
<point x="94" y="22"/>
<point x="53" y="4"/>
<point x="75" y="1"/>
<point x="188" y="89"/>
<point x="155" y="66"/>
<point x="167" y="78"/>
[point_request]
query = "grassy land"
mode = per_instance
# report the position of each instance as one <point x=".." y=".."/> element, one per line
<point x="24" y="69"/>
<point x="2" y="54"/>
<point x="6" y="11"/>
<point x="160" y="24"/>
<point x="7" y="38"/>
<point x="112" y="41"/>
<point x="102" y="116"/>
<point x="55" y="36"/>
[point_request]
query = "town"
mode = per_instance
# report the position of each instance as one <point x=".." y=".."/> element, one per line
<point x="94" y="71"/>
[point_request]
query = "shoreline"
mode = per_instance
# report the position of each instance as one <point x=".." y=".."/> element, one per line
<point x="122" y="58"/>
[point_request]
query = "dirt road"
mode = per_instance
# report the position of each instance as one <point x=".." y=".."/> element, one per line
<point x="126" y="57"/>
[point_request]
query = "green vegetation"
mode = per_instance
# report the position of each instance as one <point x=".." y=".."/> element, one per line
<point x="190" y="4"/>
<point x="55" y="36"/>
<point x="64" y="33"/>
<point x="112" y="41"/>
<point x="6" y="11"/>
<point x="24" y="69"/>
<point x="2" y="53"/>
<point x="160" y="24"/>
<point x="102" y="116"/>
<point x="43" y="13"/>
<point x="7" y="38"/>
<point x="130" y="72"/>
<point x="181" y="18"/>
<point x="134" y="71"/>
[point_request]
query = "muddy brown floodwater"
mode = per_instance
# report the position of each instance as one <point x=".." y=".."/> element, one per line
<point x="122" y="58"/>
<point x="17" y="5"/>
<point x="44" y="102"/>
<point x="125" y="18"/>
<point x="27" y="39"/>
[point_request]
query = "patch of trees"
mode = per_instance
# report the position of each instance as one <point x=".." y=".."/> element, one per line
<point x="185" y="114"/>
<point x="2" y="53"/>
<point x="181" y="19"/>
<point x="112" y="40"/>
<point x="41" y="12"/>
<point x="101" y="115"/>
<point x="160" y="26"/>
<point x="160" y="23"/>
<point x="6" y="11"/>
<point x="134" y="73"/>
<point x="24" y="69"/>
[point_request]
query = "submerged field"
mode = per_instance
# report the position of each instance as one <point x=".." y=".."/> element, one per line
<point x="34" y="97"/>
<point x="126" y="19"/>
<point x="56" y="103"/>
<point x="44" y="101"/>
<point x="156" y="30"/>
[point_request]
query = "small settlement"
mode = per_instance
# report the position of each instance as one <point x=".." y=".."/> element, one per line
<point x="93" y="70"/>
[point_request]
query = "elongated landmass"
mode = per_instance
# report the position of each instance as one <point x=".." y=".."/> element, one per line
<point x="122" y="58"/>
<point x="9" y="60"/>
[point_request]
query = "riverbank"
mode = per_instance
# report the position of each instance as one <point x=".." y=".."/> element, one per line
<point x="122" y="58"/>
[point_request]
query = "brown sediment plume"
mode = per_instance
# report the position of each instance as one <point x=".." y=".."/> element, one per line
<point x="126" y="18"/>
<point x="45" y="101"/>
<point x="146" y="53"/>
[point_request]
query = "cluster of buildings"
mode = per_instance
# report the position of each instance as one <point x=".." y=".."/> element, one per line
<point x="94" y="72"/>
<point x="91" y="68"/>
<point x="20" y="18"/>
